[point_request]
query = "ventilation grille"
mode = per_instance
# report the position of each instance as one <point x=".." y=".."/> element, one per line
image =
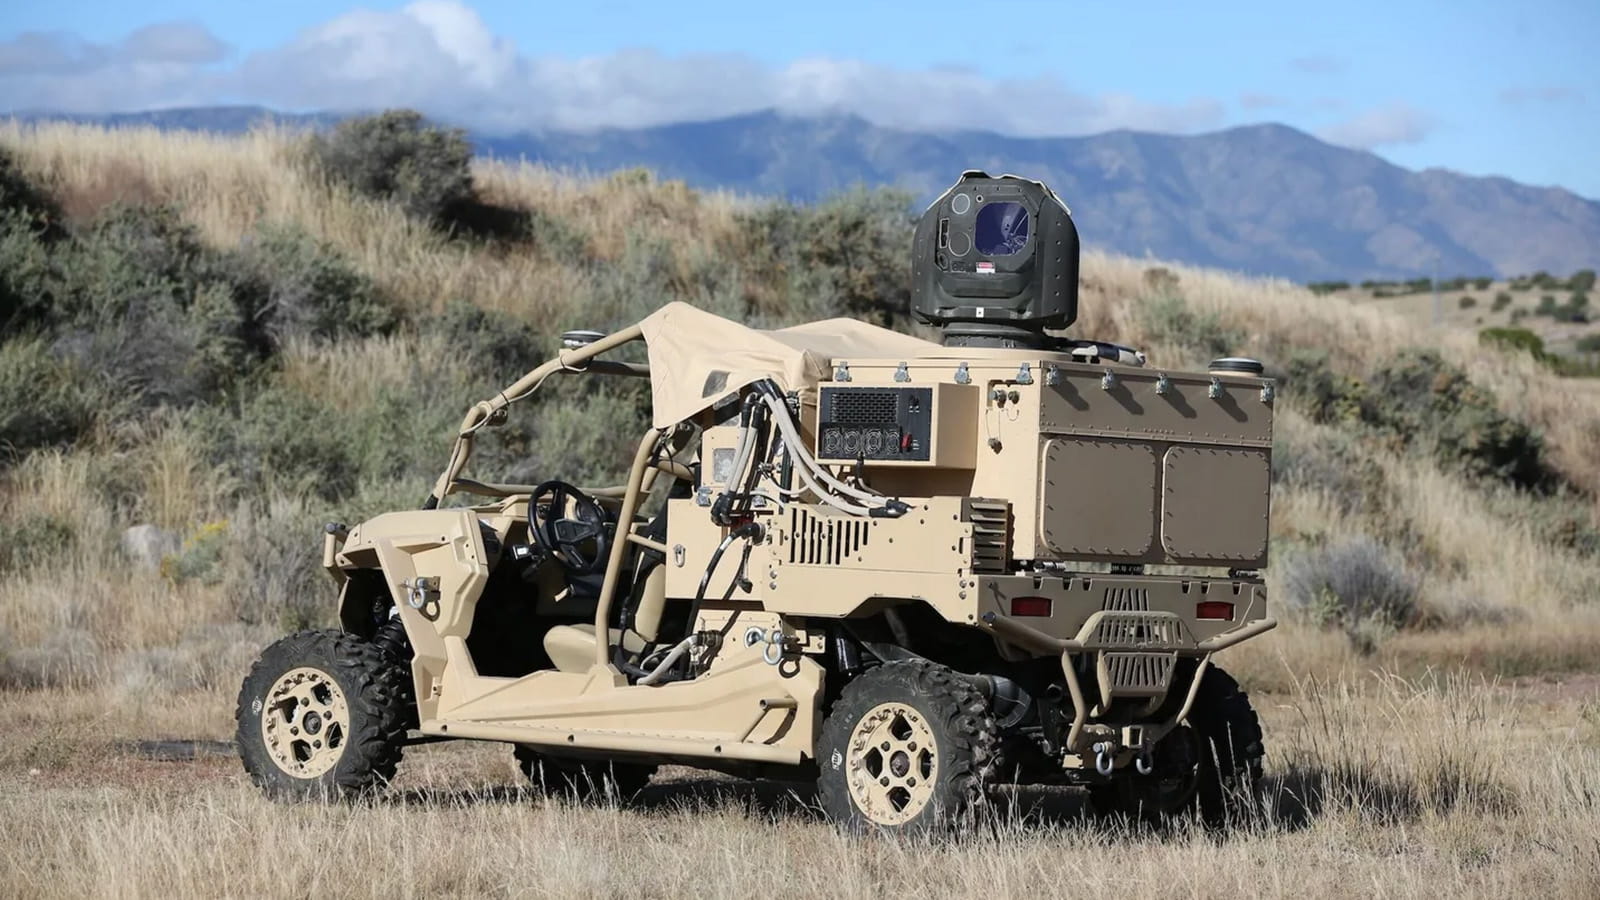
<point x="824" y="541"/>
<point x="1138" y="630"/>
<point x="860" y="407"/>
<point x="1126" y="600"/>
<point x="1137" y="674"/>
<point x="991" y="526"/>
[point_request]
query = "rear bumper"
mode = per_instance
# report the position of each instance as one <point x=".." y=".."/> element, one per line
<point x="1102" y="631"/>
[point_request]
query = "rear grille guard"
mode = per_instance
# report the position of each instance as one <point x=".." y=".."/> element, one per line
<point x="1121" y="631"/>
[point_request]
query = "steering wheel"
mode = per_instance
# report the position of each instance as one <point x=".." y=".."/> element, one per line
<point x="579" y="543"/>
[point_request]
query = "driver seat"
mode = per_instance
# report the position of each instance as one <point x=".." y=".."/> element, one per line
<point x="571" y="648"/>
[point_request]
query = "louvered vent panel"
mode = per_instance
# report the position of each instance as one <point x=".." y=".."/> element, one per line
<point x="824" y="540"/>
<point x="1134" y="674"/>
<point x="991" y="527"/>
<point x="1138" y="630"/>
<point x="1126" y="600"/>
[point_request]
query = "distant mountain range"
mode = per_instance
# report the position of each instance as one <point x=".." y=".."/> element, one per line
<point x="1263" y="199"/>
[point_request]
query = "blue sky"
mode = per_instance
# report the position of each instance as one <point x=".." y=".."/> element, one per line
<point x="1484" y="88"/>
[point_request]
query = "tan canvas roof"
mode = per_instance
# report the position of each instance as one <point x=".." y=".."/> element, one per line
<point x="697" y="358"/>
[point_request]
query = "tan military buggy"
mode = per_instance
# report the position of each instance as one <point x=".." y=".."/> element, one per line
<point x="910" y="571"/>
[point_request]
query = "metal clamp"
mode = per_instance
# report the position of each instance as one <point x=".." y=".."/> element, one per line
<point x="1215" y="391"/>
<point x="901" y="373"/>
<point x="1025" y="374"/>
<point x="841" y="372"/>
<point x="1268" y="391"/>
<point x="962" y="375"/>
<point x="1108" y="381"/>
<point x="1163" y="383"/>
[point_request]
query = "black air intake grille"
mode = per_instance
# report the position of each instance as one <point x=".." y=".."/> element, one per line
<point x="862" y="407"/>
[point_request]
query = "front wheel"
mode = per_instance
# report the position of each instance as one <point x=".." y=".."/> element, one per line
<point x="322" y="714"/>
<point x="909" y="746"/>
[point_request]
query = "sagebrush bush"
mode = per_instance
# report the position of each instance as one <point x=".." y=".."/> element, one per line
<point x="397" y="156"/>
<point x="1421" y="394"/>
<point x="32" y="537"/>
<point x="274" y="566"/>
<point x="1419" y="399"/>
<point x="491" y="344"/>
<point x="852" y="249"/>
<point x="288" y="285"/>
<point x="1356" y="585"/>
<point x="1167" y="317"/>
<point x="65" y="658"/>
<point x="48" y="401"/>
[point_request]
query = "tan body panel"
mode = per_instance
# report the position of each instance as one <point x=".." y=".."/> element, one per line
<point x="1083" y="453"/>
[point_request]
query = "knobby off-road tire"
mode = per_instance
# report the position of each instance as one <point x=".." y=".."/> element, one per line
<point x="583" y="780"/>
<point x="909" y="747"/>
<point x="1212" y="763"/>
<point x="322" y="715"/>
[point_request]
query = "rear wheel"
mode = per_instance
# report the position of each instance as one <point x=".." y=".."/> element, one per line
<point x="321" y="714"/>
<point x="909" y="746"/>
<point x="1212" y="762"/>
<point x="583" y="779"/>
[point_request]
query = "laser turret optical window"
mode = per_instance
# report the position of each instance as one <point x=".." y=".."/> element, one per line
<point x="1002" y="229"/>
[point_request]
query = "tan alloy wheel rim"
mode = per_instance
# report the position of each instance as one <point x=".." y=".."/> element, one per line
<point x="893" y="764"/>
<point x="305" y="722"/>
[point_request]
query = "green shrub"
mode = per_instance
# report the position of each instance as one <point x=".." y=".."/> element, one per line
<point x="1326" y="396"/>
<point x="1354" y="585"/>
<point x="1169" y="318"/>
<point x="274" y="567"/>
<point x="288" y="284"/>
<point x="1546" y="307"/>
<point x="1582" y="280"/>
<point x="1517" y="339"/>
<point x="1589" y="343"/>
<point x="1482" y="284"/>
<point x="397" y="156"/>
<point x="1501" y="301"/>
<point x="32" y="537"/>
<point x="20" y="194"/>
<point x="844" y="256"/>
<point x="48" y="401"/>
<point x="26" y="272"/>
<point x="201" y="555"/>
<point x="1421" y="394"/>
<point x="492" y="343"/>
<point x="1467" y="302"/>
<point x="1328" y="287"/>
<point x="1419" y="399"/>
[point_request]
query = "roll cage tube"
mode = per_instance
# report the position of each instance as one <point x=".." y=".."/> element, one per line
<point x="492" y="411"/>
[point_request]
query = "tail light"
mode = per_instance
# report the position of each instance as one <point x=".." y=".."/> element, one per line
<point x="1215" y="610"/>
<point x="1030" y="606"/>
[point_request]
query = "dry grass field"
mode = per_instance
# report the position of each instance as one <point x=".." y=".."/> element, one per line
<point x="1449" y="749"/>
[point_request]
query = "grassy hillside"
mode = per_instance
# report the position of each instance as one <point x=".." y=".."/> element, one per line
<point x="225" y="339"/>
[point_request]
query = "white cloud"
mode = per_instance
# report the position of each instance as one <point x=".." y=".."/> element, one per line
<point x="173" y="42"/>
<point x="1396" y="123"/>
<point x="440" y="57"/>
